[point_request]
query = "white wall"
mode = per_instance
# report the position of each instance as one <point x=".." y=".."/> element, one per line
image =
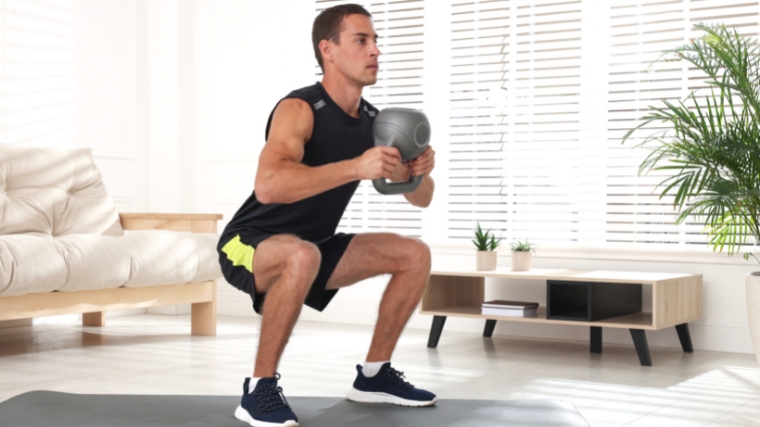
<point x="123" y="61"/>
<point x="105" y="88"/>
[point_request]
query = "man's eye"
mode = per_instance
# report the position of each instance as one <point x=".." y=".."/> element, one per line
<point x="361" y="40"/>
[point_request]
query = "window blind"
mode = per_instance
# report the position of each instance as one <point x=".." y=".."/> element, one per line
<point x="479" y="122"/>
<point x="522" y="161"/>
<point x="37" y="72"/>
<point x="400" y="27"/>
<point x="514" y="129"/>
<point x="639" y="31"/>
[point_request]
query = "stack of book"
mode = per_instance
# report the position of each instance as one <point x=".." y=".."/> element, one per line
<point x="510" y="308"/>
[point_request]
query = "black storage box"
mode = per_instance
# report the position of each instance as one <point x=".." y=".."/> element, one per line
<point x="590" y="301"/>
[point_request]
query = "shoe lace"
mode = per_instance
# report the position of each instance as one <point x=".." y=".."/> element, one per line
<point x="270" y="398"/>
<point x="397" y="377"/>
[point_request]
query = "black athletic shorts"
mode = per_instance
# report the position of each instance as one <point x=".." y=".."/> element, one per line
<point x="236" y="258"/>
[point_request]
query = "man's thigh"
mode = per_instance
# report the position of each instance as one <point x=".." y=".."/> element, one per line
<point x="372" y="254"/>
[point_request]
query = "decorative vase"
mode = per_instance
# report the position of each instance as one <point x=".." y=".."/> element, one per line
<point x="753" y="310"/>
<point x="486" y="260"/>
<point x="522" y="261"/>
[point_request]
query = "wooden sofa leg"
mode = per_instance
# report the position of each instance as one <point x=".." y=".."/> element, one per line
<point x="203" y="318"/>
<point x="97" y="318"/>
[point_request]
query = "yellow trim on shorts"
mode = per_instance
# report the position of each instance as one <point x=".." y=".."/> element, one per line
<point x="239" y="253"/>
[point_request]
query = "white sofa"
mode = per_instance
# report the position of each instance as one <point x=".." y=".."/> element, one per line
<point x="64" y="248"/>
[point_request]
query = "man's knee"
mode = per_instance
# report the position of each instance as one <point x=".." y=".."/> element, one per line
<point x="415" y="256"/>
<point x="303" y="260"/>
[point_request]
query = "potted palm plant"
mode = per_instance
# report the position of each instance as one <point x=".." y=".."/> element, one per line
<point x="522" y="255"/>
<point x="486" y="243"/>
<point x="711" y="146"/>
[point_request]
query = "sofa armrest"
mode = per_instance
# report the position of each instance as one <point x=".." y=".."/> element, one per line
<point x="196" y="223"/>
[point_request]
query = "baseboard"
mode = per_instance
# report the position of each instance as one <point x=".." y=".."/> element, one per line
<point x="15" y="323"/>
<point x="126" y="312"/>
<point x="170" y="310"/>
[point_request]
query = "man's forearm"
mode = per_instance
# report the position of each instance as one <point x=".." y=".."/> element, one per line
<point x="423" y="195"/>
<point x="292" y="182"/>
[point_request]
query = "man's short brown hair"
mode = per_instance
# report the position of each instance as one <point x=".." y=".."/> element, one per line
<point x="327" y="26"/>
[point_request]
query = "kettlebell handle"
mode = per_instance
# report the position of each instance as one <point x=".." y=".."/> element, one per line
<point x="384" y="186"/>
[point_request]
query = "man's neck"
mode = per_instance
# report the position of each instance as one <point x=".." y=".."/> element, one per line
<point x="345" y="93"/>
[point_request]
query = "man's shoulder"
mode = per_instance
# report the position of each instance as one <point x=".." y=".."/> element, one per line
<point x="310" y="94"/>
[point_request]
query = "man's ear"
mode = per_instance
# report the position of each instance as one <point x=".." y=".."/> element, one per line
<point x="326" y="48"/>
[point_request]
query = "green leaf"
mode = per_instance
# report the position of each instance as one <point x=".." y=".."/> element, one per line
<point x="483" y="239"/>
<point x="710" y="152"/>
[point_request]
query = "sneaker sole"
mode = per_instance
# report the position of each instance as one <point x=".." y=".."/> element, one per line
<point x="243" y="415"/>
<point x="355" y="395"/>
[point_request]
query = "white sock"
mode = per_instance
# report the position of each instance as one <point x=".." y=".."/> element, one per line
<point x="370" y="369"/>
<point x="252" y="384"/>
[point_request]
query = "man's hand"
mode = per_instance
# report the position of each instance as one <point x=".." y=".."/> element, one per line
<point x="377" y="162"/>
<point x="423" y="164"/>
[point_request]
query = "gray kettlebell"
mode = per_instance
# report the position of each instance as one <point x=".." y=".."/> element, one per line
<point x="409" y="131"/>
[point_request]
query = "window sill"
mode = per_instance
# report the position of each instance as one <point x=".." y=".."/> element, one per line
<point x="696" y="256"/>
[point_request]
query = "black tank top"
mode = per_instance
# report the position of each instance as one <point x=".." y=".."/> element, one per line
<point x="336" y="137"/>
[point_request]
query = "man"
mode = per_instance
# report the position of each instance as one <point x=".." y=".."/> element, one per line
<point x="281" y="246"/>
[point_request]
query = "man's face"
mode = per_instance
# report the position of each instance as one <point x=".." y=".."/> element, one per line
<point x="356" y="55"/>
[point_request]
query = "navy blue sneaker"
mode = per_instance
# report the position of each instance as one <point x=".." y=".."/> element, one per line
<point x="266" y="406"/>
<point x="388" y="386"/>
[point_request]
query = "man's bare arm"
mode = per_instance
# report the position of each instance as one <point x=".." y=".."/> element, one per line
<point x="423" y="195"/>
<point x="281" y="178"/>
<point x="421" y="166"/>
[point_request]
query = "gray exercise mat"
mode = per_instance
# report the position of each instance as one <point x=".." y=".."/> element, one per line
<point x="47" y="408"/>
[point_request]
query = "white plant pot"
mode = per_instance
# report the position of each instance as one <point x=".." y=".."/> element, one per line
<point x="522" y="261"/>
<point x="753" y="311"/>
<point x="486" y="260"/>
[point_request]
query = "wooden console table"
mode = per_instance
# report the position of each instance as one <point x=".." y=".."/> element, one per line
<point x="676" y="300"/>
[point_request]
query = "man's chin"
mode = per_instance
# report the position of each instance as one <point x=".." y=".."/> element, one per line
<point x="364" y="80"/>
<point x="369" y="81"/>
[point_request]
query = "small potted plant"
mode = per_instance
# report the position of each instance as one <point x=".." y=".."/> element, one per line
<point x="522" y="255"/>
<point x="486" y="243"/>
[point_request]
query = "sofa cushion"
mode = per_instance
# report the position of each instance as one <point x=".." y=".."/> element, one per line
<point x="162" y="257"/>
<point x="37" y="263"/>
<point x="30" y="263"/>
<point x="54" y="192"/>
<point x="93" y="261"/>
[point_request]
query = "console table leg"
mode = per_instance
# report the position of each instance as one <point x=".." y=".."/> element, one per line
<point x="685" y="337"/>
<point x="596" y="339"/>
<point x="490" y="325"/>
<point x="435" y="331"/>
<point x="642" y="348"/>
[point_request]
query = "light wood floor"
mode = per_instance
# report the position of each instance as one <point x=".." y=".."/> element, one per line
<point x="152" y="354"/>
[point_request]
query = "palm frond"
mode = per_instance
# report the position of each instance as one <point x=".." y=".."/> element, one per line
<point x="711" y="149"/>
